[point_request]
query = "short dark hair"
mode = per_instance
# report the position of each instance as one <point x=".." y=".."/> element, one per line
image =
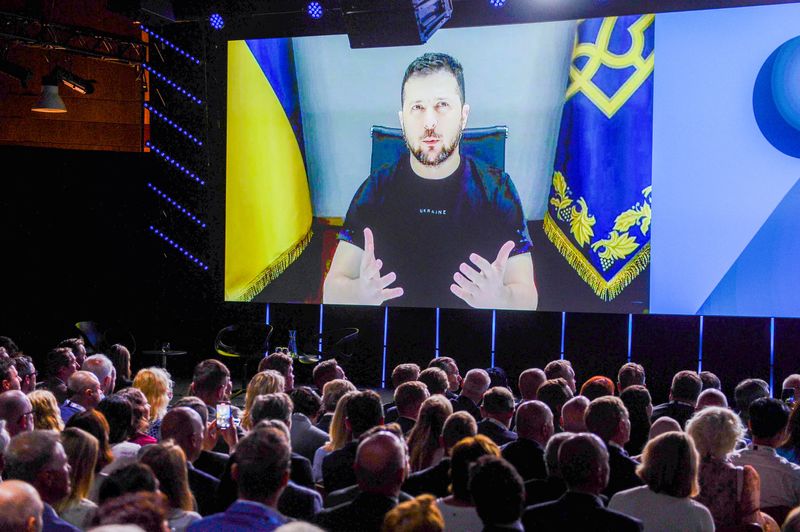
<point x="209" y="375"/>
<point x="497" y="491"/>
<point x="262" y="457"/>
<point x="554" y="393"/>
<point x="404" y="373"/>
<point x="29" y="453"/>
<point x="409" y="394"/>
<point x="196" y="404"/>
<point x="280" y="362"/>
<point x="56" y="359"/>
<point x="558" y="369"/>
<point x="430" y="63"/>
<point x="768" y="417"/>
<point x="324" y="372"/>
<point x="443" y="363"/>
<point x="710" y="380"/>
<point x="272" y="406"/>
<point x="306" y="401"/>
<point x="636" y="399"/>
<point x="72" y="343"/>
<point x="119" y="414"/>
<point x="24" y="365"/>
<point x="364" y="411"/>
<point x="5" y="368"/>
<point x="9" y="345"/>
<point x="686" y="385"/>
<point x="129" y="479"/>
<point x="630" y="374"/>
<point x="457" y="426"/>
<point x="603" y="416"/>
<point x="497" y="377"/>
<point x="748" y="391"/>
<point x="435" y="379"/>
<point x="498" y="400"/>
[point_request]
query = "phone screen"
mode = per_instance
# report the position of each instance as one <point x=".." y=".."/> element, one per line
<point x="223" y="415"/>
<point x="787" y="395"/>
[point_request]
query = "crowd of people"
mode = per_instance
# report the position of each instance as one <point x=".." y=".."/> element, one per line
<point x="90" y="446"/>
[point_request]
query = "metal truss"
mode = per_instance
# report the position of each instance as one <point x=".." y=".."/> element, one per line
<point x="33" y="32"/>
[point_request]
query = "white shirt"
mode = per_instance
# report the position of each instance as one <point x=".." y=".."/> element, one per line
<point x="661" y="512"/>
<point x="780" y="479"/>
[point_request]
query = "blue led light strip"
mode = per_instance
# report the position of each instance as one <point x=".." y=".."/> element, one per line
<point x="494" y="328"/>
<point x="169" y="121"/>
<point x="161" y="234"/>
<point x="267" y="318"/>
<point x="437" y="333"/>
<point x="563" y="329"/>
<point x="630" y="334"/>
<point x="320" y="328"/>
<point x="700" y="349"/>
<point x="169" y="44"/>
<point x="177" y="205"/>
<point x="771" y="355"/>
<point x="385" y="331"/>
<point x="174" y="162"/>
<point x="172" y="84"/>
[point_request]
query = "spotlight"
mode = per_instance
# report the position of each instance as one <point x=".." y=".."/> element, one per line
<point x="50" y="101"/>
<point x="216" y="21"/>
<point x="497" y="3"/>
<point x="21" y="74"/>
<point x="75" y="82"/>
<point x="315" y="10"/>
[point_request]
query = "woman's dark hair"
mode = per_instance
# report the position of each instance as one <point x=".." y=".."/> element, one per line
<point x="129" y="479"/>
<point x="95" y="423"/>
<point x="119" y="413"/>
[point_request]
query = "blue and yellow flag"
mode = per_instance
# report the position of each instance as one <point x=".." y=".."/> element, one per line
<point x="268" y="205"/>
<point x="598" y="215"/>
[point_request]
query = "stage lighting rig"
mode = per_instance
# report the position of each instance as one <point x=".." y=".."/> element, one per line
<point x="372" y="23"/>
<point x="74" y="81"/>
<point x="13" y="70"/>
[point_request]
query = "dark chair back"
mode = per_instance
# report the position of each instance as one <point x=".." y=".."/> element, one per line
<point x="485" y="143"/>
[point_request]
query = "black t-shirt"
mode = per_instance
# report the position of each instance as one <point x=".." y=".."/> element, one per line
<point x="425" y="228"/>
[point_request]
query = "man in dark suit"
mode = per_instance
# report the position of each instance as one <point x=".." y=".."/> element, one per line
<point x="306" y="438"/>
<point x="686" y="386"/>
<point x="60" y="365"/>
<point x="380" y="469"/>
<point x="185" y="427"/>
<point x="400" y="374"/>
<point x="450" y="368"/>
<point x="409" y="397"/>
<point x="475" y="385"/>
<point x="551" y="487"/>
<point x="497" y="409"/>
<point x="498" y="493"/>
<point x="210" y="462"/>
<point x="364" y="411"/>
<point x="534" y="428"/>
<point x="261" y="472"/>
<point x="436" y="479"/>
<point x="607" y="417"/>
<point x="583" y="461"/>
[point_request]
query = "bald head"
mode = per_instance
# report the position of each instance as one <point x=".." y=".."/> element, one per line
<point x="793" y="382"/>
<point x="185" y="426"/>
<point x="529" y="382"/>
<point x="534" y="422"/>
<point x="16" y="409"/>
<point x="102" y="368"/>
<point x="583" y="462"/>
<point x="20" y="507"/>
<point x="475" y="384"/>
<point x="711" y="397"/>
<point x="381" y="464"/>
<point x="572" y="414"/>
<point x="662" y="425"/>
<point x="84" y="388"/>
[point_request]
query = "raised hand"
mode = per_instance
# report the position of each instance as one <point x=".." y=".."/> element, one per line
<point x="373" y="289"/>
<point x="484" y="287"/>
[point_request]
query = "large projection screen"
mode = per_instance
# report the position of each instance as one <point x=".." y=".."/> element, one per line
<point x="591" y="172"/>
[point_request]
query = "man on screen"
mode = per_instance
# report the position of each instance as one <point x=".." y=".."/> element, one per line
<point x="445" y="228"/>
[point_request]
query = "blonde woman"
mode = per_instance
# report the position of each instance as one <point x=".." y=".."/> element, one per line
<point x="82" y="449"/>
<point x="156" y="385"/>
<point x="46" y="415"/>
<point x="262" y="383"/>
<point x="339" y="435"/>
<point x="424" y="441"/>
<point x="168" y="462"/>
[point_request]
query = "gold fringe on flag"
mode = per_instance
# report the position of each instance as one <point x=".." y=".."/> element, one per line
<point x="605" y="290"/>
<point x="272" y="271"/>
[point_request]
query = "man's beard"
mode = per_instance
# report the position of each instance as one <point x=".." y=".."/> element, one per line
<point x="447" y="150"/>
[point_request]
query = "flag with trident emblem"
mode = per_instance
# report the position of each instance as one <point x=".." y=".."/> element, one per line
<point x="599" y="207"/>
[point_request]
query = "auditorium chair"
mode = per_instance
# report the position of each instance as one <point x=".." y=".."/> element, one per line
<point x="248" y="342"/>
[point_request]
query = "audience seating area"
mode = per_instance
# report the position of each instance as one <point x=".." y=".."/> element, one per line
<point x="87" y="445"/>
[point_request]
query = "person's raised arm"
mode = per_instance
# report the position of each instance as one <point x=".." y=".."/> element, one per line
<point x="506" y="283"/>
<point x="355" y="276"/>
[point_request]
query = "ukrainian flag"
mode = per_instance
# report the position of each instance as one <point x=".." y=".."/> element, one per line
<point x="268" y="205"/>
<point x="599" y="207"/>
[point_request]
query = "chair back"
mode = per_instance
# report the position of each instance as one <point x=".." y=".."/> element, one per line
<point x="243" y="340"/>
<point x="485" y="143"/>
